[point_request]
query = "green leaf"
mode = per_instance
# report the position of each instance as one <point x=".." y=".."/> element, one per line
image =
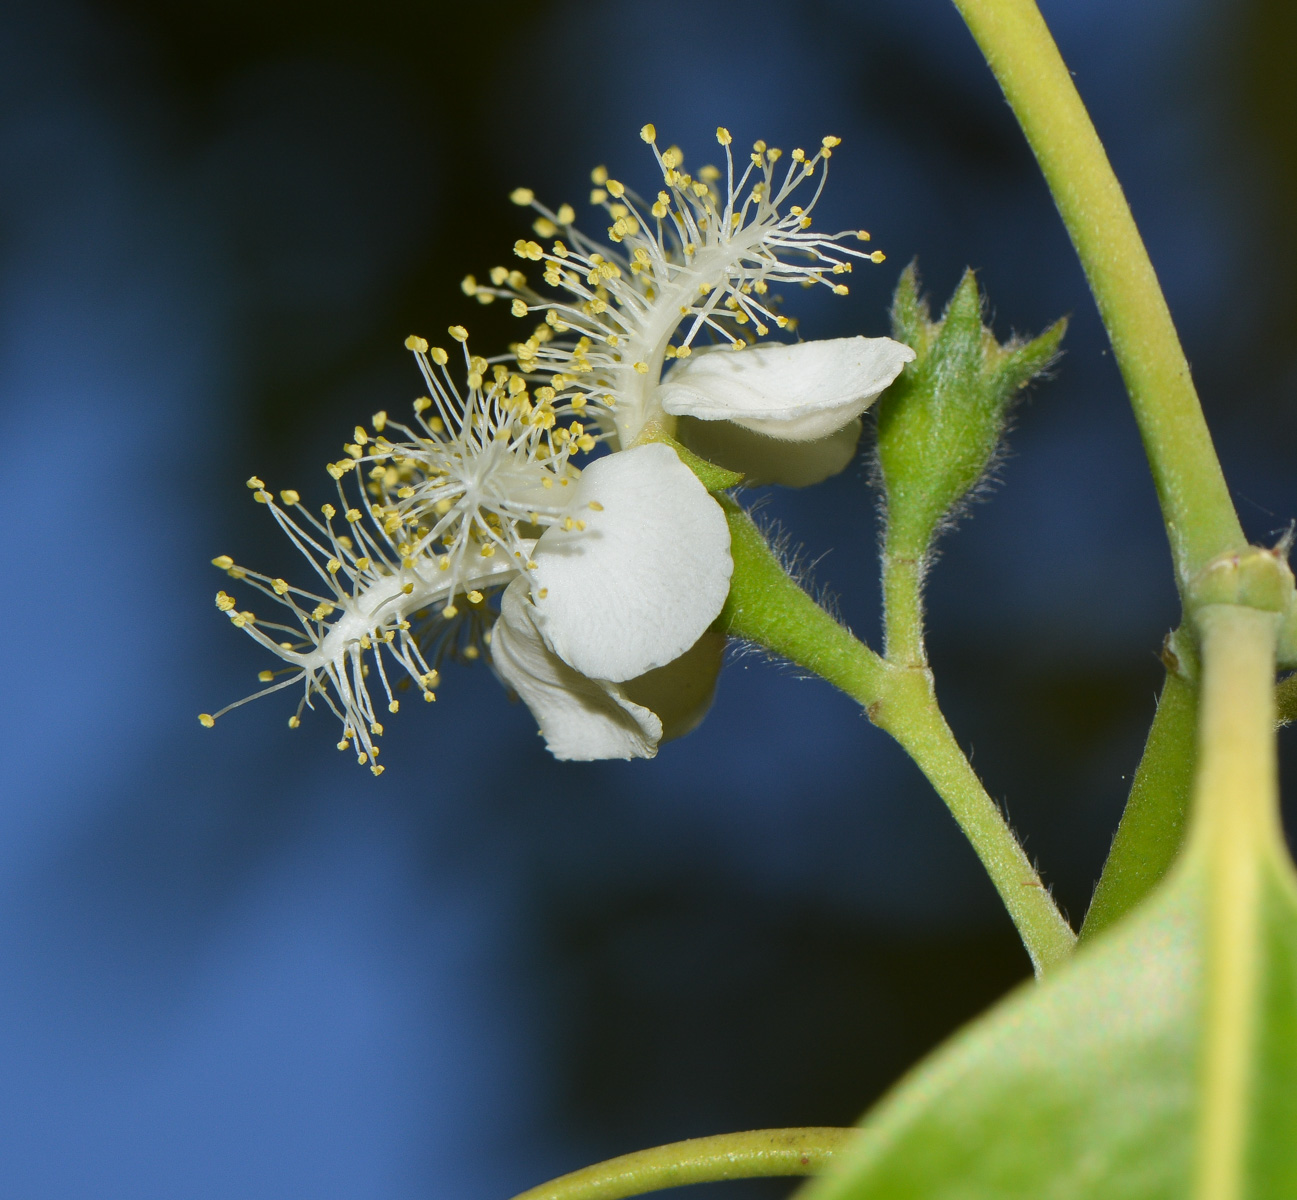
<point x="1161" y="1061"/>
<point x="1086" y="1085"/>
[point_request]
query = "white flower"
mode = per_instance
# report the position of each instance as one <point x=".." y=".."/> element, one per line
<point x="441" y="517"/>
<point x="617" y="571"/>
<point x="607" y="640"/>
<point x="694" y="261"/>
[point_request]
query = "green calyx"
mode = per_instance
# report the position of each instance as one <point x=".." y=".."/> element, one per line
<point x="940" y="423"/>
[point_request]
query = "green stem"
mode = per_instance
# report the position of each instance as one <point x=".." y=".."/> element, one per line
<point x="1200" y="518"/>
<point x="765" y="606"/>
<point x="761" y="1152"/>
<point x="903" y="609"/>
<point x="1152" y="825"/>
<point x="1236" y="805"/>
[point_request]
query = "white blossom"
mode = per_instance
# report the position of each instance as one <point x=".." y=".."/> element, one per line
<point x="700" y="259"/>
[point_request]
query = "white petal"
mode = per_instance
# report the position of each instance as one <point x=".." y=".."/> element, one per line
<point x="681" y="692"/>
<point x="796" y="392"/>
<point x="764" y="459"/>
<point x="579" y="718"/>
<point x="650" y="571"/>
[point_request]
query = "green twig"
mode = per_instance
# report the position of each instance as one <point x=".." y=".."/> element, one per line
<point x="903" y="642"/>
<point x="767" y="607"/>
<point x="760" y="1152"/>
<point x="1235" y="824"/>
<point x="1200" y="518"/>
<point x="1152" y="825"/>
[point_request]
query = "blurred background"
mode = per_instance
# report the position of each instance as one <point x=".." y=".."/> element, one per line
<point x="234" y="964"/>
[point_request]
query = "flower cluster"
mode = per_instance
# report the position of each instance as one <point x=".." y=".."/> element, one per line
<point x="610" y="572"/>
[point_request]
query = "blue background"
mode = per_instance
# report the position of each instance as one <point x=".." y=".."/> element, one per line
<point x="232" y="963"/>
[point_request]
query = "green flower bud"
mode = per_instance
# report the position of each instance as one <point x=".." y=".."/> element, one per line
<point x="940" y="423"/>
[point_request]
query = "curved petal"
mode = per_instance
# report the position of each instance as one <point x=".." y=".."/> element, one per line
<point x="579" y="718"/>
<point x="763" y="459"/>
<point x="681" y="692"/>
<point x="796" y="393"/>
<point x="650" y="570"/>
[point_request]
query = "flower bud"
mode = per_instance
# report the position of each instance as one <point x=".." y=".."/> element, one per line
<point x="940" y="423"/>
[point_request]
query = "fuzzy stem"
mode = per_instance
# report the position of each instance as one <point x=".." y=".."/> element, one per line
<point x="903" y="610"/>
<point x="1196" y="507"/>
<point x="765" y="606"/>
<point x="760" y="1152"/>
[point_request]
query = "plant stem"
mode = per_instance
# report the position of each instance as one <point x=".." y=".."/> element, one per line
<point x="1152" y="825"/>
<point x="907" y="709"/>
<point x="1200" y="518"/>
<point x="903" y="610"/>
<point x="761" y="1152"/>
<point x="765" y="606"/>
<point x="1235" y="821"/>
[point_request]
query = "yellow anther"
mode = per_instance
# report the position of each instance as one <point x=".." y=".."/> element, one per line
<point x="255" y="483"/>
<point x="543" y="593"/>
<point x="417" y="344"/>
<point x="376" y="729"/>
<point x="265" y="676"/>
<point x="333" y="566"/>
<point x="329" y="511"/>
<point x="422" y="404"/>
<point x="443" y="563"/>
<point x="290" y="497"/>
<point x="799" y="155"/>
<point x="353" y="515"/>
<point x="545" y="227"/>
<point x="530" y="250"/>
<point x="439" y="356"/>
<point x="468" y="285"/>
<point x="321" y="611"/>
<point x="616" y="189"/>
<point x="596" y="506"/>
<point x="449" y="611"/>
<point x="599" y="175"/>
<point x="429" y="697"/>
<point x="294" y="722"/>
<point x="206" y="720"/>
<point x="829" y="142"/>
<point x="641" y="368"/>
<point x="723" y="135"/>
<point x="684" y="351"/>
<point x="394" y="706"/>
<point x="862" y="235"/>
<point x="279" y="586"/>
<point x="224" y="601"/>
<point x="344" y="744"/>
<point x="877" y="256"/>
<point x="566" y="214"/>
<point x="224" y="561"/>
<point x="522" y="196"/>
<point x="474" y="597"/>
<point x="458" y="332"/>
<point x="488" y="551"/>
<point x="363" y="563"/>
<point x="840" y="289"/>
